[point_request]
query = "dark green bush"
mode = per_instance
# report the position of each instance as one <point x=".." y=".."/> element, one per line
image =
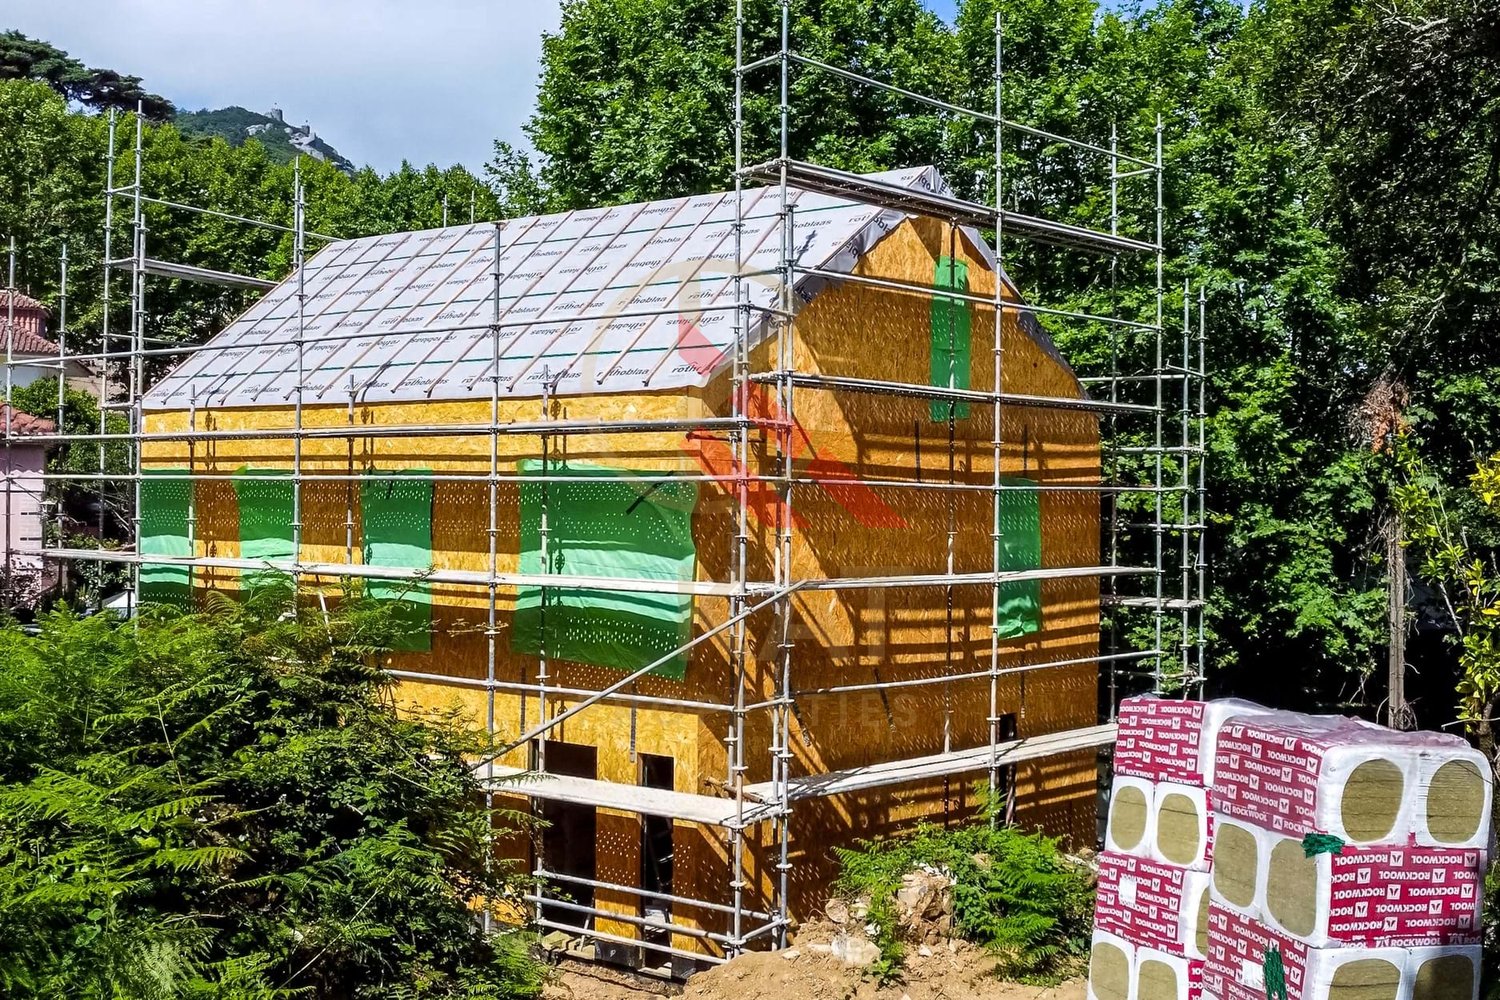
<point x="226" y="805"/>
<point x="1014" y="893"/>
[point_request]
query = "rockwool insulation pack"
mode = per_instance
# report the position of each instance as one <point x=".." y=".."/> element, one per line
<point x="1132" y="817"/>
<point x="1297" y="774"/>
<point x="1153" y="905"/>
<point x="1182" y="825"/>
<point x="1404" y="895"/>
<point x="1248" y="960"/>
<point x="1241" y="853"/>
<point x="1121" y="970"/>
<point x="1254" y="851"/>
<point x="1111" y="967"/>
<point x="1163" y="739"/>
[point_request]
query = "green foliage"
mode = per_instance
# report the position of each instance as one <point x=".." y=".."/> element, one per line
<point x="1013" y="892"/>
<point x="1333" y="180"/>
<point x="51" y="194"/>
<point x="23" y="58"/>
<point x="226" y="805"/>
<point x="636" y="96"/>
<point x="231" y="124"/>
<point x="1448" y="533"/>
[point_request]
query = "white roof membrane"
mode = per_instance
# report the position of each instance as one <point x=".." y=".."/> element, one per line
<point x="603" y="300"/>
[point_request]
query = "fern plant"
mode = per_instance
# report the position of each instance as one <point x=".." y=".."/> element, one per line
<point x="225" y="804"/>
<point x="1014" y="893"/>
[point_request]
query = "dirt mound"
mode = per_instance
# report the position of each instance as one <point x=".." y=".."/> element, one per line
<point x="829" y="959"/>
<point x="951" y="970"/>
<point x="944" y="972"/>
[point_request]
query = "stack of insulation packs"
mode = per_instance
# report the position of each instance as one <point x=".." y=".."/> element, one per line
<point x="1256" y="854"/>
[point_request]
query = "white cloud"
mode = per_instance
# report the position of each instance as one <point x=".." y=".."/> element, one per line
<point x="382" y="80"/>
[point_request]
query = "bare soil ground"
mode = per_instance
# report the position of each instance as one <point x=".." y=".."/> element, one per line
<point x="944" y="972"/>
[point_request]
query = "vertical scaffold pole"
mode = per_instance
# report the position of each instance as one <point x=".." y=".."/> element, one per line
<point x="1185" y="490"/>
<point x="740" y="438"/>
<point x="10" y="471"/>
<point x="299" y="254"/>
<point x="996" y="540"/>
<point x="781" y="716"/>
<point x="1202" y="595"/>
<point x="104" y="348"/>
<point x="1158" y="525"/>
<point x="137" y="346"/>
<point x="492" y="624"/>
<point x="1112" y="584"/>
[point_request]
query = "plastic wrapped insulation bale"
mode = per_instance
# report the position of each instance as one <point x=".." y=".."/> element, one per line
<point x="1131" y="826"/>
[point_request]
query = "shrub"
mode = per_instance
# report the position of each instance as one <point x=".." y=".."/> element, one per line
<point x="1013" y="892"/>
<point x="226" y="805"/>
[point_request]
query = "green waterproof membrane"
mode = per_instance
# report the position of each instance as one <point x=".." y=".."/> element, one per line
<point x="164" y="532"/>
<point x="950" y="338"/>
<point x="266" y="515"/>
<point x="613" y="523"/>
<point x="1018" y="609"/>
<point x="396" y="526"/>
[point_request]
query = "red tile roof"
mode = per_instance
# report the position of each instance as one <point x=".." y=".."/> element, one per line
<point x="23" y="301"/>
<point x="22" y="423"/>
<point x="25" y="341"/>
<point x="31" y="317"/>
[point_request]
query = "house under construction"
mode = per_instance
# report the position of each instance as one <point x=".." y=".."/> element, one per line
<point x="732" y="516"/>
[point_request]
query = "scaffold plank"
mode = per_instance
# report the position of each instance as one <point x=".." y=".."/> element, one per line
<point x="898" y="772"/>
<point x="710" y="810"/>
<point x="761" y="798"/>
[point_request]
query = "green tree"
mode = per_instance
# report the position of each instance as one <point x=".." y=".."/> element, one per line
<point x="1457" y="540"/>
<point x="101" y="89"/>
<point x="1331" y="179"/>
<point x="51" y="193"/>
<point x="227" y="805"/>
<point x="636" y="97"/>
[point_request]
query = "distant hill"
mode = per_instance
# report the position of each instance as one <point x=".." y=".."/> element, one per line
<point x="282" y="140"/>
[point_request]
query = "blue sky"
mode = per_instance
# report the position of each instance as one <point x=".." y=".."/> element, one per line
<point x="382" y="80"/>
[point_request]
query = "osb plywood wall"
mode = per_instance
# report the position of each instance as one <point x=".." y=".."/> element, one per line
<point x="842" y="637"/>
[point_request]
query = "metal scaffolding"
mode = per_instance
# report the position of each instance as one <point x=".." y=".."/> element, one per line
<point x="1154" y="505"/>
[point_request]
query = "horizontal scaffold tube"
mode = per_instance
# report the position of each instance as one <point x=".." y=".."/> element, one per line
<point x="700" y="588"/>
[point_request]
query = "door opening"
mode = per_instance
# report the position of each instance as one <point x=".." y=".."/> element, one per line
<point x="656" y="860"/>
<point x="1006" y="785"/>
<point x="568" y="839"/>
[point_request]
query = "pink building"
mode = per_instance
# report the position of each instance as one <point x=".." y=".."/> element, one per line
<point x="24" y="332"/>
<point x="24" y="576"/>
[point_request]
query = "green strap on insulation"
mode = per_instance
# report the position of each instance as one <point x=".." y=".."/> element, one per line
<point x="613" y="523"/>
<point x="951" y="334"/>
<point x="164" y="532"/>
<point x="266" y="515"/>
<point x="1321" y="843"/>
<point x="396" y="528"/>
<point x="1275" y="974"/>
<point x="1019" y="608"/>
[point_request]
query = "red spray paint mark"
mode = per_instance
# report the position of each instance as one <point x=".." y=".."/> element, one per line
<point x="717" y="458"/>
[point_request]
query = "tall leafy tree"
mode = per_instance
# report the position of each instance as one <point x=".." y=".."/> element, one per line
<point x="51" y="193"/>
<point x="101" y="89"/>
<point x="636" y="97"/>
<point x="1331" y="175"/>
